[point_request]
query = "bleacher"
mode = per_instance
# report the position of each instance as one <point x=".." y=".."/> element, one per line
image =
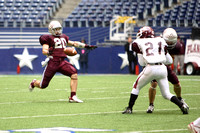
<point x="185" y="15"/>
<point x="97" y="13"/>
<point x="27" y="13"/>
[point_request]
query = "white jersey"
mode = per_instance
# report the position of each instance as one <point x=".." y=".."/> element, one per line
<point x="152" y="49"/>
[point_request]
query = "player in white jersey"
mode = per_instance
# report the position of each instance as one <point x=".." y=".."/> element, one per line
<point x="194" y="127"/>
<point x="152" y="53"/>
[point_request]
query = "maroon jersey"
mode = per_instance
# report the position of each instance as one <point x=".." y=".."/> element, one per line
<point x="179" y="49"/>
<point x="57" y="43"/>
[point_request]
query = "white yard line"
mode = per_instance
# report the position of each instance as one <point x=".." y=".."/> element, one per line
<point x="153" y="131"/>
<point x="99" y="98"/>
<point x="94" y="113"/>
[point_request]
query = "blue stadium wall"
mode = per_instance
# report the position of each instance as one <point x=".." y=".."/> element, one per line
<point x="101" y="60"/>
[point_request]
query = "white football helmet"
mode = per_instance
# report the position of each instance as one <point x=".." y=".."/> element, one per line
<point x="170" y="37"/>
<point x="55" y="28"/>
<point x="145" y="32"/>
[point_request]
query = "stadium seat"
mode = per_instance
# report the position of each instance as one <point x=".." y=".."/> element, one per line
<point x="17" y="5"/>
<point x="182" y="22"/>
<point x="75" y="22"/>
<point x="151" y="21"/>
<point x="158" y="6"/>
<point x="2" y="23"/>
<point x="140" y="15"/>
<point x="37" y="23"/>
<point x="9" y="5"/>
<point x="19" y="1"/>
<point x="1" y="5"/>
<point x="39" y="9"/>
<point x="24" y="17"/>
<point x="34" y="5"/>
<point x="15" y="17"/>
<point x="149" y="10"/>
<point x="158" y="21"/>
<point x="66" y="22"/>
<point x="34" y="13"/>
<point x="6" y="17"/>
<point x="173" y="22"/>
<point x="10" y="23"/>
<point x="83" y="22"/>
<point x="21" y="9"/>
<point x="99" y="22"/>
<point x="45" y="1"/>
<point x="166" y="3"/>
<point x="32" y="17"/>
<point x="26" y="5"/>
<point x="166" y="22"/>
<point x="25" y="13"/>
<point x="9" y="1"/>
<point x="17" y="13"/>
<point x="91" y="23"/>
<point x="36" y="1"/>
<point x="190" y="22"/>
<point x="8" y="12"/>
<point x="27" y="1"/>
<point x="28" y="23"/>
<point x="53" y="1"/>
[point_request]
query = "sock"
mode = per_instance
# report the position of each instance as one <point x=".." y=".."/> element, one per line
<point x="197" y="122"/>
<point x="151" y="104"/>
<point x="73" y="93"/>
<point x="179" y="98"/>
<point x="132" y="100"/>
<point x="175" y="100"/>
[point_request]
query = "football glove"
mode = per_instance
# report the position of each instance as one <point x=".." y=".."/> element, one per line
<point x="90" y="46"/>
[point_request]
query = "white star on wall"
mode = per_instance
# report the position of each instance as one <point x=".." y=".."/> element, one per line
<point x="124" y="58"/>
<point x="74" y="60"/>
<point x="25" y="59"/>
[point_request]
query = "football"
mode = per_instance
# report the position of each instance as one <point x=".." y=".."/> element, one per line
<point x="70" y="51"/>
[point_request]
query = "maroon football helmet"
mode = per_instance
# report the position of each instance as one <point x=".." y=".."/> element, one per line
<point x="145" y="32"/>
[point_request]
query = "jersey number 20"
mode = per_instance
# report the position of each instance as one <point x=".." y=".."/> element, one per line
<point x="60" y="42"/>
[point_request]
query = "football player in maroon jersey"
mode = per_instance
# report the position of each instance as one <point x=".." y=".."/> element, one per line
<point x="170" y="37"/>
<point x="53" y="46"/>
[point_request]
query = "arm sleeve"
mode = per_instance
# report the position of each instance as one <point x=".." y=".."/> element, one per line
<point x="141" y="60"/>
<point x="169" y="59"/>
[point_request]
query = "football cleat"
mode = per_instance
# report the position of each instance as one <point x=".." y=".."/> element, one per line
<point x="184" y="103"/>
<point x="150" y="109"/>
<point x="184" y="109"/>
<point x="74" y="99"/>
<point x="193" y="129"/>
<point x="127" y="111"/>
<point x="31" y="86"/>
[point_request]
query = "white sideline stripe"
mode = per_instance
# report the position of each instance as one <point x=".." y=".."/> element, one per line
<point x="189" y="79"/>
<point x="101" y="98"/>
<point x="151" y="131"/>
<point x="96" y="113"/>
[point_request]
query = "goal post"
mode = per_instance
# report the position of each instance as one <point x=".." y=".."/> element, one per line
<point x="121" y="27"/>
